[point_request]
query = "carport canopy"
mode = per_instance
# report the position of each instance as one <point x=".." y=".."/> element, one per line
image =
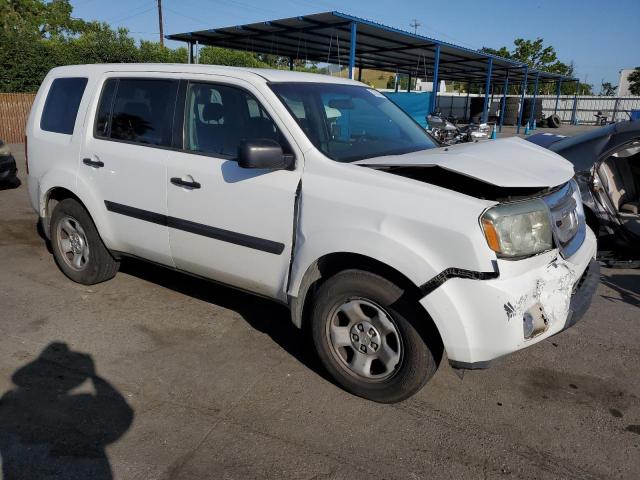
<point x="338" y="38"/>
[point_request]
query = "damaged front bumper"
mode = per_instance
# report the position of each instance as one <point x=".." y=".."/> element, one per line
<point x="481" y="320"/>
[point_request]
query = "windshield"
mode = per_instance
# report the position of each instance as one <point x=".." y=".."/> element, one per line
<point x="349" y="122"/>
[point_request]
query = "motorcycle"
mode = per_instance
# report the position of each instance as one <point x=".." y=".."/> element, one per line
<point x="447" y="132"/>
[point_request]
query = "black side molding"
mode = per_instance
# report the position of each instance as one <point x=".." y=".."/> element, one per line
<point x="138" y="213"/>
<point x="445" y="275"/>
<point x="228" y="236"/>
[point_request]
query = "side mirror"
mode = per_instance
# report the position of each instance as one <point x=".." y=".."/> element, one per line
<point x="263" y="153"/>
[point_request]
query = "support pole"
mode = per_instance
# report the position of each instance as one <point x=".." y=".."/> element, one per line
<point x="574" y="111"/>
<point x="504" y="101"/>
<point x="360" y="73"/>
<point x="409" y="85"/>
<point x="558" y="90"/>
<point x="352" y="49"/>
<point x="196" y="56"/>
<point x="532" y="114"/>
<point x="487" y="86"/>
<point x="397" y="84"/>
<point x="190" y="53"/>
<point x="434" y="89"/>
<point x="160" y="24"/>
<point x="466" y="102"/>
<point x="524" y="91"/>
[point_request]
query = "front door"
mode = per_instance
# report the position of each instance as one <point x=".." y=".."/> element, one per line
<point x="227" y="223"/>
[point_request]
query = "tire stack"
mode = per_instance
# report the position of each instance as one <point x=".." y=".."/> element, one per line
<point x="528" y="106"/>
<point x="476" y="104"/>
<point x="511" y="111"/>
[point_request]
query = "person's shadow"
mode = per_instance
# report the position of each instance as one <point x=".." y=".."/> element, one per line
<point x="48" y="431"/>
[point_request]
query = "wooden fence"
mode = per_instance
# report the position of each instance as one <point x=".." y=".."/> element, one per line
<point x="14" y="110"/>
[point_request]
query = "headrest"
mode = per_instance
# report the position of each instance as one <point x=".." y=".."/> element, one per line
<point x="137" y="109"/>
<point x="212" y="112"/>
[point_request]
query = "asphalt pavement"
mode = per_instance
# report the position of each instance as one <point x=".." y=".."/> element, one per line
<point x="157" y="375"/>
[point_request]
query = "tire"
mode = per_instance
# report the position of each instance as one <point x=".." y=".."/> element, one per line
<point x="554" y="121"/>
<point x="77" y="246"/>
<point x="409" y="344"/>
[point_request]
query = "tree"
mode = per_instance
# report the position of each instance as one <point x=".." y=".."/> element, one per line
<point x="607" y="89"/>
<point x="235" y="58"/>
<point x="44" y="19"/>
<point x="540" y="57"/>
<point x="634" y="81"/>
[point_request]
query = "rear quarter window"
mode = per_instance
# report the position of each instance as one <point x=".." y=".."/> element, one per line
<point x="61" y="107"/>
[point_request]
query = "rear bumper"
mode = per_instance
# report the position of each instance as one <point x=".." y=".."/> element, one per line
<point x="481" y="320"/>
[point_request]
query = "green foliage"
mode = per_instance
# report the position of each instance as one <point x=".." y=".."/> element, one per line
<point x="634" y="81"/>
<point x="540" y="57"/>
<point x="234" y="58"/>
<point x="38" y="18"/>
<point x="607" y="89"/>
<point x="36" y="36"/>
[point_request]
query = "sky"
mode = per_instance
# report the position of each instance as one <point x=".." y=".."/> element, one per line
<point x="600" y="37"/>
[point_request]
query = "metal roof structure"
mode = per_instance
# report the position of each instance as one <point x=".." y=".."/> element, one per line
<point x="338" y="38"/>
<point x="327" y="37"/>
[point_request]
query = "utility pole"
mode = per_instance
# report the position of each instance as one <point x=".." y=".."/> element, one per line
<point x="160" y="23"/>
<point x="415" y="25"/>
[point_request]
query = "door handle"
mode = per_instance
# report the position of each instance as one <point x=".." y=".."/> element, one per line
<point x="184" y="183"/>
<point x="93" y="163"/>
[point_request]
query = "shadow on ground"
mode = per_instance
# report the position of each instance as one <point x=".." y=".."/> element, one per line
<point x="262" y="314"/>
<point x="60" y="417"/>
<point x="626" y="285"/>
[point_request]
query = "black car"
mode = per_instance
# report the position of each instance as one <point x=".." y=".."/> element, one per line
<point x="607" y="165"/>
<point x="8" y="169"/>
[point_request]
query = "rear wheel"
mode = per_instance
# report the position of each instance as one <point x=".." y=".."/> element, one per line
<point x="366" y="334"/>
<point x="77" y="246"/>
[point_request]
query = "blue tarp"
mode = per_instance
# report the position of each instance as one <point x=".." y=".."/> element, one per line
<point x="415" y="104"/>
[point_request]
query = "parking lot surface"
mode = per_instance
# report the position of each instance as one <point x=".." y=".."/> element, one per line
<point x="156" y="375"/>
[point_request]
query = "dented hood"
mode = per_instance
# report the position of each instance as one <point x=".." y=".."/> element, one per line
<point x="509" y="162"/>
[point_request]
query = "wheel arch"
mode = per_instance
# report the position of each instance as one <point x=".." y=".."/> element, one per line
<point x="51" y="198"/>
<point x="330" y="264"/>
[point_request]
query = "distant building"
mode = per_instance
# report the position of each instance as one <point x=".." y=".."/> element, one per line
<point x="423" y="86"/>
<point x="623" y="82"/>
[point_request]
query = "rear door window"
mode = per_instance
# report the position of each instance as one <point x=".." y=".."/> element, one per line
<point x="61" y="107"/>
<point x="137" y="110"/>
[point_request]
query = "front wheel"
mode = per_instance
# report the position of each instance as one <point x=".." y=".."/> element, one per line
<point x="77" y="246"/>
<point x="370" y="339"/>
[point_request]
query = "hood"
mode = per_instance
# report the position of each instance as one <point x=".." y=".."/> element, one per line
<point x="509" y="162"/>
<point x="587" y="148"/>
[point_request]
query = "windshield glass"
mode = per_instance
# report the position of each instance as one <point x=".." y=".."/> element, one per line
<point x="349" y="122"/>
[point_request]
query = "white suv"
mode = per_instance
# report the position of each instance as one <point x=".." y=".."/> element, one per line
<point x="320" y="193"/>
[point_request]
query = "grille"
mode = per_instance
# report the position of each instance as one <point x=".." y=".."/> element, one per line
<point x="567" y="218"/>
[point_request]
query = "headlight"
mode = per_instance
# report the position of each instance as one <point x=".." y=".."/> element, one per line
<point x="518" y="229"/>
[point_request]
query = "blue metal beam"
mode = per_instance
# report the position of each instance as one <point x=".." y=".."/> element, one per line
<point x="524" y="91"/>
<point x="532" y="114"/>
<point x="558" y="90"/>
<point x="574" y="116"/>
<point x="504" y="101"/>
<point x="487" y="86"/>
<point x="435" y="81"/>
<point x="352" y="49"/>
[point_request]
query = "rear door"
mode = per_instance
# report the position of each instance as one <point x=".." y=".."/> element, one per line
<point x="124" y="159"/>
<point x="227" y="223"/>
